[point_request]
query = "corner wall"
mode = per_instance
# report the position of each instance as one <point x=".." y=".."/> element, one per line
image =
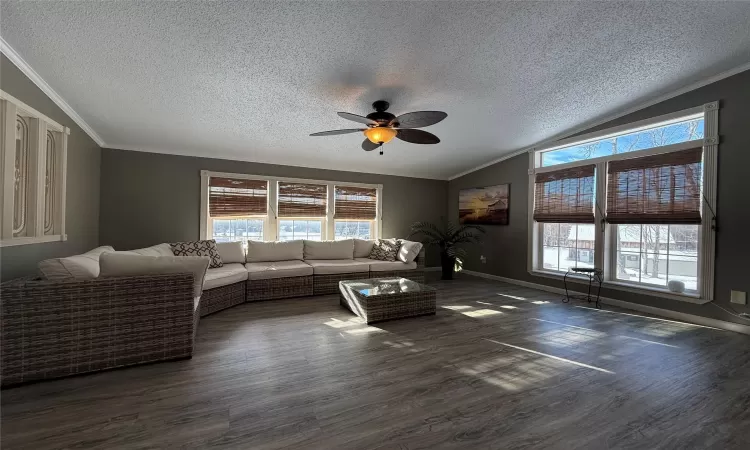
<point x="506" y="246"/>
<point x="148" y="198"/>
<point x="82" y="199"/>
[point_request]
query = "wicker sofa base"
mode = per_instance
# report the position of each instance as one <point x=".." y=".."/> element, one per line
<point x="52" y="329"/>
<point x="277" y="288"/>
<point x="223" y="297"/>
<point x="329" y="283"/>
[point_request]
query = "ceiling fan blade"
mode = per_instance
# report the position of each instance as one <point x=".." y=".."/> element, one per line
<point x="335" y="132"/>
<point x="369" y="146"/>
<point x="417" y="137"/>
<point x="419" y="119"/>
<point x="356" y="118"/>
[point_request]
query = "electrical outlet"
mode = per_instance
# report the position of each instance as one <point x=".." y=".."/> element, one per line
<point x="483" y="259"/>
<point x="738" y="297"/>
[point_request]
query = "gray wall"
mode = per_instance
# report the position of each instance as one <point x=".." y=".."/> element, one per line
<point x="82" y="200"/>
<point x="506" y="246"/>
<point x="148" y="198"/>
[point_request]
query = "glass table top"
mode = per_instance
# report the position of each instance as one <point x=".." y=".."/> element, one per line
<point x="386" y="286"/>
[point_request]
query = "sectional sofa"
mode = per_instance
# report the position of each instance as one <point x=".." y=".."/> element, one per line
<point x="104" y="309"/>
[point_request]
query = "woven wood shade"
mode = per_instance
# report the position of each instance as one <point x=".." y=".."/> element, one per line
<point x="659" y="189"/>
<point x="237" y="197"/>
<point x="302" y="200"/>
<point x="565" y="196"/>
<point x="355" y="203"/>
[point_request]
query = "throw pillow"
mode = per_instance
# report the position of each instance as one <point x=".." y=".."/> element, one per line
<point x="199" y="248"/>
<point x="385" y="250"/>
<point x="409" y="251"/>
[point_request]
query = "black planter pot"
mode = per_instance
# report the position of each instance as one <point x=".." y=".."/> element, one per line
<point x="448" y="264"/>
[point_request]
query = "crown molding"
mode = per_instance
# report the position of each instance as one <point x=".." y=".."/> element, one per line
<point x="35" y="78"/>
<point x="617" y="115"/>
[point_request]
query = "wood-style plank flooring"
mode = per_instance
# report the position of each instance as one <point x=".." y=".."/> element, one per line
<point x="500" y="366"/>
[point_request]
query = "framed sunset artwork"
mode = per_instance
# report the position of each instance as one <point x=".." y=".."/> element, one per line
<point x="484" y="206"/>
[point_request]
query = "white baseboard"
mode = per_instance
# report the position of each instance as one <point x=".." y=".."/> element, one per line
<point x="690" y="318"/>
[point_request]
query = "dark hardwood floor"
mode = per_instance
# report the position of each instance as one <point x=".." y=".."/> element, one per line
<point x="500" y="366"/>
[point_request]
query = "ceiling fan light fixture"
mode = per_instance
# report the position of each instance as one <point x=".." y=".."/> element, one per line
<point x="380" y="135"/>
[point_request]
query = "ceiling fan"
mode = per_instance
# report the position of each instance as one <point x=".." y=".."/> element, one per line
<point x="383" y="126"/>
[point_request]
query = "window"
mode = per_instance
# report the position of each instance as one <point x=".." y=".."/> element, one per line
<point x="635" y="201"/>
<point x="356" y="210"/>
<point x="290" y="230"/>
<point x="567" y="245"/>
<point x="348" y="229"/>
<point x="239" y="207"/>
<point x="658" y="254"/>
<point x="682" y="130"/>
<point x="302" y="211"/>
<point x="242" y="229"/>
<point x="33" y="149"/>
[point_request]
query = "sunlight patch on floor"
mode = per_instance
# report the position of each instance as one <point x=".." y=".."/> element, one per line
<point x="457" y="307"/>
<point x="551" y="356"/>
<point x="508" y="306"/>
<point x="516" y="371"/>
<point x="565" y="325"/>
<point x="337" y="323"/>
<point x="648" y="341"/>
<point x="540" y="302"/>
<point x="683" y="324"/>
<point x="366" y="330"/>
<point x="514" y="297"/>
<point x="481" y="313"/>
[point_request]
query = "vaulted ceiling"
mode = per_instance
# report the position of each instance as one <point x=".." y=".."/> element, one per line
<point x="251" y="81"/>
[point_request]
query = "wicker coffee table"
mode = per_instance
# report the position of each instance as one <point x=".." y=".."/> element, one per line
<point x="379" y="299"/>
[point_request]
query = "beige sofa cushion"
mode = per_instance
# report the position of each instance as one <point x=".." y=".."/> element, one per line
<point x="409" y="251"/>
<point x="386" y="266"/>
<point x="231" y="252"/>
<point x="224" y="276"/>
<point x="154" y="250"/>
<point x="79" y="267"/>
<point x="120" y="264"/>
<point x="363" y="247"/>
<point x="278" y="269"/>
<point x="336" y="266"/>
<point x="329" y="249"/>
<point x="274" y="251"/>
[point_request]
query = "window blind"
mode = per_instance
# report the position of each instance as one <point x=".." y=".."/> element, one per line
<point x="302" y="200"/>
<point x="355" y="203"/>
<point x="565" y="195"/>
<point x="659" y="189"/>
<point x="237" y="197"/>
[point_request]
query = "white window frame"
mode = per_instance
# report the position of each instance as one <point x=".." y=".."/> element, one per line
<point x="10" y="108"/>
<point x="605" y="255"/>
<point x="271" y="223"/>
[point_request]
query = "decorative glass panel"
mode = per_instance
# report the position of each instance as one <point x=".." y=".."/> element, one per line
<point x="49" y="185"/>
<point x="21" y="176"/>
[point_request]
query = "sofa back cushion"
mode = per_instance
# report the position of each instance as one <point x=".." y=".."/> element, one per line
<point x="274" y="251"/>
<point x="78" y="267"/>
<point x="231" y="252"/>
<point x="154" y="250"/>
<point x="329" y="249"/>
<point x="199" y="248"/>
<point x="120" y="264"/>
<point x="409" y="251"/>
<point x="363" y="247"/>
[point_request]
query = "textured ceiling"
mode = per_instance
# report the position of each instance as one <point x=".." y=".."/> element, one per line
<point x="250" y="81"/>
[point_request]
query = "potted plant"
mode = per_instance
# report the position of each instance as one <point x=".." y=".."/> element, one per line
<point x="448" y="238"/>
